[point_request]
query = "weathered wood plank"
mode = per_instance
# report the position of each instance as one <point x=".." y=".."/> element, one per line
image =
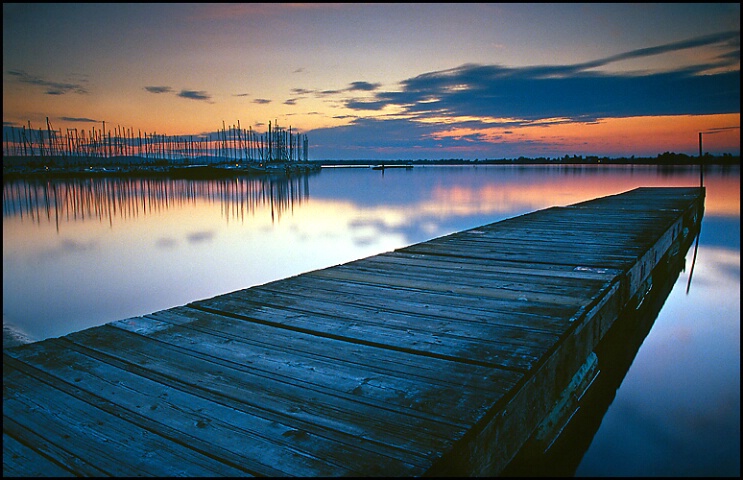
<point x="91" y="427"/>
<point x="261" y="445"/>
<point x="575" y="259"/>
<point x="477" y="279"/>
<point x="395" y="315"/>
<point x="372" y="288"/>
<point x="535" y="271"/>
<point x="22" y="461"/>
<point x="568" y="298"/>
<point x="389" y="330"/>
<point x="435" y="306"/>
<point x="357" y="360"/>
<point x="328" y="371"/>
<point x="285" y="400"/>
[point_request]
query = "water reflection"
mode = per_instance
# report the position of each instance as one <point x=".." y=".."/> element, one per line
<point x="401" y="198"/>
<point x="79" y="253"/>
<point x="105" y="199"/>
<point x="138" y="245"/>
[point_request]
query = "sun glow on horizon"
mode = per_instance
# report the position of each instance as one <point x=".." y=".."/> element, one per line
<point x="631" y="136"/>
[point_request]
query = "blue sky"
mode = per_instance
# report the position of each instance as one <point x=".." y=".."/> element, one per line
<point x="384" y="81"/>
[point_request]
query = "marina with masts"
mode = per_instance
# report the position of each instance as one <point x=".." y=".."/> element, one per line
<point x="51" y="149"/>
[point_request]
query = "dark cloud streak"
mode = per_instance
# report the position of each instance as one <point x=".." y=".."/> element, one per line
<point x="79" y="119"/>
<point x="159" y="89"/>
<point x="52" y="88"/>
<point x="188" y="94"/>
<point x="194" y="95"/>
<point x="363" y="86"/>
<point x="301" y="91"/>
<point x="730" y="38"/>
<point x="359" y="86"/>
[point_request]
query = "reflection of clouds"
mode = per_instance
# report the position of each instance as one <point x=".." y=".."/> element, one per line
<point x="365" y="241"/>
<point x="67" y="246"/>
<point x="368" y="231"/>
<point x="166" y="242"/>
<point x="683" y="388"/>
<point x="430" y="227"/>
<point x="731" y="270"/>
<point x="411" y="226"/>
<point x="368" y="224"/>
<point x="723" y="194"/>
<point x="714" y="286"/>
<point x="719" y="266"/>
<point x="198" y="237"/>
<point x="491" y="198"/>
<point x="446" y="212"/>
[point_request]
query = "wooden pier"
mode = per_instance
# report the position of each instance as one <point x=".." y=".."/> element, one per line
<point x="441" y="358"/>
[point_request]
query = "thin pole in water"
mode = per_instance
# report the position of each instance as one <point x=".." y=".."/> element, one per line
<point x="701" y="162"/>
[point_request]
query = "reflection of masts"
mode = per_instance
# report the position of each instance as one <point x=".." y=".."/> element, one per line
<point x="106" y="198"/>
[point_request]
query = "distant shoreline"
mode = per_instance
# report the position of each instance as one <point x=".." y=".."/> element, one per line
<point x="14" y="167"/>
<point x="200" y="171"/>
<point x="670" y="160"/>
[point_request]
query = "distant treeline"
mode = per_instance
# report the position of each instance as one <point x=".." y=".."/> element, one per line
<point x="667" y="158"/>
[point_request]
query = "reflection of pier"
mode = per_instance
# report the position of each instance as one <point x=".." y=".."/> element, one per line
<point x="106" y="198"/>
<point x="551" y="455"/>
<point x="442" y="358"/>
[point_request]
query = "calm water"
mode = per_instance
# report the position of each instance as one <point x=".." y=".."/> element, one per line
<point x="79" y="253"/>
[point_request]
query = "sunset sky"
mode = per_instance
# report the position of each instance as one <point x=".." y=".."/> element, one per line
<point x="387" y="81"/>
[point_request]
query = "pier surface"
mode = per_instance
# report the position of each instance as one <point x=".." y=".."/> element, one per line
<point x="441" y="358"/>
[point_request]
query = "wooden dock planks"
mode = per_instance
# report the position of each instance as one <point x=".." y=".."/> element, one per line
<point x="438" y="358"/>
